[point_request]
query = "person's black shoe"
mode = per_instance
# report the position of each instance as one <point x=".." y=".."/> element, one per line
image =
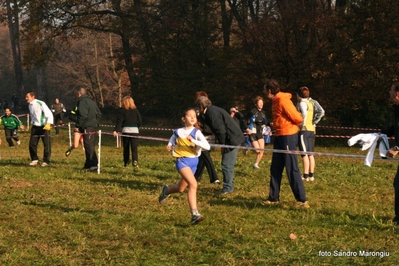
<point x="223" y="192"/>
<point x="68" y="152"/>
<point x="90" y="169"/>
<point x="395" y="221"/>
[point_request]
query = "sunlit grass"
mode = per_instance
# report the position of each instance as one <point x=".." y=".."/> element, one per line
<point x="60" y="215"/>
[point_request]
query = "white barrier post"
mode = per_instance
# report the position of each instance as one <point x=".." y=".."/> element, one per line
<point x="99" y="152"/>
<point x="69" y="133"/>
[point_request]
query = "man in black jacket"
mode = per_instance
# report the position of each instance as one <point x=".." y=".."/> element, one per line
<point x="394" y="131"/>
<point x="87" y="119"/>
<point x="227" y="132"/>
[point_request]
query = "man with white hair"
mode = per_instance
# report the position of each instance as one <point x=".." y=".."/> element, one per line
<point x="227" y="132"/>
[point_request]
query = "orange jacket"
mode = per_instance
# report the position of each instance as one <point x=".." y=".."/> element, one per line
<point x="286" y="117"/>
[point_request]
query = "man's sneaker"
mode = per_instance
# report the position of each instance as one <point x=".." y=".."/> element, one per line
<point x="19" y="142"/>
<point x="44" y="164"/>
<point x="223" y="192"/>
<point x="135" y="166"/>
<point x="164" y="194"/>
<point x="269" y="202"/>
<point x="12" y="147"/>
<point x="303" y="205"/>
<point x="256" y="166"/>
<point x="34" y="163"/>
<point x="196" y="218"/>
<point x="68" y="152"/>
<point x="311" y="178"/>
<point x="216" y="182"/>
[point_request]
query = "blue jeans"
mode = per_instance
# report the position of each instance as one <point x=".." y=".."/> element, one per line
<point x="228" y="162"/>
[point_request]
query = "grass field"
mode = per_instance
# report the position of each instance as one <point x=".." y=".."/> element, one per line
<point x="59" y="215"/>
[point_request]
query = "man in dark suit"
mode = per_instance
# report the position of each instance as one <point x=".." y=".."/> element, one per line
<point x="226" y="132"/>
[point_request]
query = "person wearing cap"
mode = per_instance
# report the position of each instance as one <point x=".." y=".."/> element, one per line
<point x="257" y="121"/>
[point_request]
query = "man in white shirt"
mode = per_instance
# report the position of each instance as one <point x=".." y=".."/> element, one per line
<point x="41" y="120"/>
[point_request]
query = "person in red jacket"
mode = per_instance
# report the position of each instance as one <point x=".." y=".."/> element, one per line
<point x="286" y="119"/>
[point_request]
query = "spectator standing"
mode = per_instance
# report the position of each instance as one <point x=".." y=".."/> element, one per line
<point x="11" y="124"/>
<point x="15" y="101"/>
<point x="393" y="130"/>
<point x="58" y="110"/>
<point x="238" y="118"/>
<point x="87" y="121"/>
<point x="309" y="110"/>
<point x="227" y="132"/>
<point x="128" y="123"/>
<point x="41" y="121"/>
<point x="285" y="121"/>
<point x="257" y="122"/>
<point x="205" y="160"/>
<point x="5" y="105"/>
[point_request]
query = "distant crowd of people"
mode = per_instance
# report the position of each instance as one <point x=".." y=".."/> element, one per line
<point x="13" y="105"/>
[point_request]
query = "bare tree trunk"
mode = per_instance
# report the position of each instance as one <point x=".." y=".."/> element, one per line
<point x="117" y="78"/>
<point x="41" y="80"/>
<point x="13" y="25"/>
<point x="226" y="23"/>
<point x="126" y="49"/>
<point x="99" y="85"/>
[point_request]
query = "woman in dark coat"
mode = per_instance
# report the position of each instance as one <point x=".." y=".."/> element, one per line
<point x="128" y="124"/>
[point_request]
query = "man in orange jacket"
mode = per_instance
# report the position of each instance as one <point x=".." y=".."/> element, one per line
<point x="286" y="119"/>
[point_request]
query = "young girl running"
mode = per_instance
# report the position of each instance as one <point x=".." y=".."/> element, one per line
<point x="186" y="144"/>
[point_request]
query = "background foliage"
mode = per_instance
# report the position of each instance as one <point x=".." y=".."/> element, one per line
<point x="162" y="51"/>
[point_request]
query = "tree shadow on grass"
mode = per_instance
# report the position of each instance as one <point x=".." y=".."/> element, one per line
<point x="11" y="162"/>
<point x="62" y="209"/>
<point x="233" y="200"/>
<point x="333" y="217"/>
<point x="346" y="218"/>
<point x="140" y="185"/>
